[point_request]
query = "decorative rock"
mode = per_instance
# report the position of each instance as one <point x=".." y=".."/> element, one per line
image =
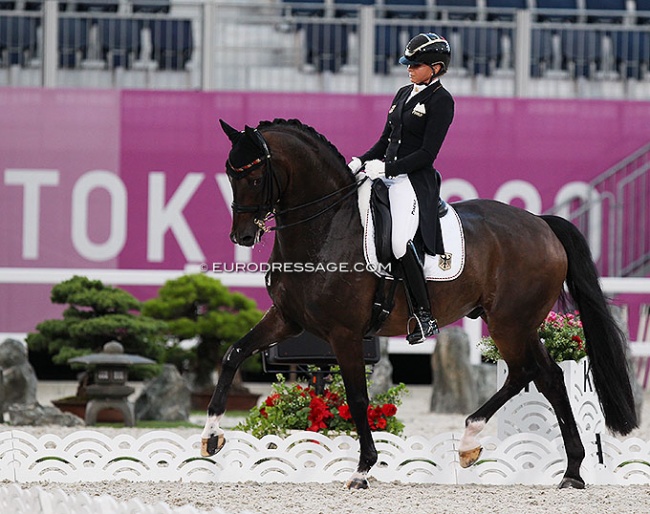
<point x="19" y="390"/>
<point x="18" y="376"/>
<point x="382" y="372"/>
<point x="454" y="378"/>
<point x="39" y="415"/>
<point x="486" y="381"/>
<point x="164" y="398"/>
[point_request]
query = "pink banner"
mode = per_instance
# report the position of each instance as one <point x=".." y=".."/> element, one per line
<point x="135" y="179"/>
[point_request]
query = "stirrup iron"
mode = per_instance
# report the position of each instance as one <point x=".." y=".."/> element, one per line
<point x="425" y="326"/>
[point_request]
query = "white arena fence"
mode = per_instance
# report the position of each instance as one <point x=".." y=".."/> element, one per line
<point x="35" y="500"/>
<point x="89" y="456"/>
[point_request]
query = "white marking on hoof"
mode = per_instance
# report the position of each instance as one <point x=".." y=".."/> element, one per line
<point x="211" y="428"/>
<point x="212" y="437"/>
<point x="470" y="441"/>
<point x="469" y="448"/>
<point x="357" y="480"/>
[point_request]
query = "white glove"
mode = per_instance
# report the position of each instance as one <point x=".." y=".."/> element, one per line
<point x="375" y="169"/>
<point x="355" y="165"/>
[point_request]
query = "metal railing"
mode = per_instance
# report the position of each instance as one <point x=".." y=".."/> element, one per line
<point x="613" y="213"/>
<point x="321" y="47"/>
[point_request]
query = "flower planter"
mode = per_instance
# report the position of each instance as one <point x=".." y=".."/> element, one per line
<point x="77" y="406"/>
<point x="529" y="411"/>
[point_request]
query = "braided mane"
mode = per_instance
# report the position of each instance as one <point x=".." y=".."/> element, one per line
<point x="306" y="129"/>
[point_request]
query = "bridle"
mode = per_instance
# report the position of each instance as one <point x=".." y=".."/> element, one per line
<point x="266" y="211"/>
<point x="269" y="184"/>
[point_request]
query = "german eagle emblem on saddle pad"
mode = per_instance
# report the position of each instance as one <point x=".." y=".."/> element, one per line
<point x="439" y="267"/>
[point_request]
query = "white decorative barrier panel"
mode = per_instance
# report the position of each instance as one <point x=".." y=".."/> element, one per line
<point x="88" y="456"/>
<point x="530" y="412"/>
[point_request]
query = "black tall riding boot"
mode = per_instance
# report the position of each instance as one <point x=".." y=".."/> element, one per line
<point x="416" y="290"/>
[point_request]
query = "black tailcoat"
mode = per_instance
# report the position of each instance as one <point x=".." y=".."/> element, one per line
<point x="410" y="142"/>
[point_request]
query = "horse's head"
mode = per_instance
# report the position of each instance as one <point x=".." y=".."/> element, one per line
<point x="249" y="169"/>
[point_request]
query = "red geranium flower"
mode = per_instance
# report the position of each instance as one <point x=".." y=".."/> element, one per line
<point x="344" y="412"/>
<point x="578" y="340"/>
<point x="375" y="417"/>
<point x="318" y="413"/>
<point x="272" y="399"/>
<point x="389" y="410"/>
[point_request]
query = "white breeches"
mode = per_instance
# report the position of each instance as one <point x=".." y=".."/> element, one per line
<point x="404" y="210"/>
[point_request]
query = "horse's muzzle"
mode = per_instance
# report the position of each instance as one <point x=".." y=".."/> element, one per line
<point x="243" y="239"/>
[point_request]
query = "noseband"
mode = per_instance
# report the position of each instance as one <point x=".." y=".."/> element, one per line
<point x="265" y="212"/>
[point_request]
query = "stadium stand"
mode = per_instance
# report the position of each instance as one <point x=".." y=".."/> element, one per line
<point x="326" y="45"/>
<point x="150" y="6"/>
<point x="557" y="10"/>
<point x="407" y="9"/>
<point x="73" y="41"/>
<point x="569" y="40"/>
<point x="98" y="6"/>
<point x="605" y="11"/>
<point x="504" y="9"/>
<point x="349" y="8"/>
<point x="17" y="40"/>
<point x="119" y="40"/>
<point x="643" y="9"/>
<point x="458" y="9"/>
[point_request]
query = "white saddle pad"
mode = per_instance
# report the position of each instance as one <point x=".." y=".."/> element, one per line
<point x="438" y="267"/>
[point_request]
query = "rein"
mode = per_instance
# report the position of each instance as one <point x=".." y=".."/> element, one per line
<point x="353" y="189"/>
<point x="268" y="191"/>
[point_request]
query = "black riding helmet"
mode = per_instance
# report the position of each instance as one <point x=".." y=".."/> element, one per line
<point x="427" y="49"/>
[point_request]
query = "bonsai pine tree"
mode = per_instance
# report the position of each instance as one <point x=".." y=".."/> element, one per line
<point x="201" y="307"/>
<point x="96" y="314"/>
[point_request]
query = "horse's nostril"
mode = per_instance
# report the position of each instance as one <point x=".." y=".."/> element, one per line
<point x="247" y="241"/>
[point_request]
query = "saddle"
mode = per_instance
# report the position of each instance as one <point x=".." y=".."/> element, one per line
<point x="382" y="221"/>
<point x="380" y="208"/>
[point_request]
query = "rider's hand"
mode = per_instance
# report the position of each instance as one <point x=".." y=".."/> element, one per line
<point x="375" y="169"/>
<point x="355" y="165"/>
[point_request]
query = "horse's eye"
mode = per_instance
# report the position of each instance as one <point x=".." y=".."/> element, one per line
<point x="257" y="181"/>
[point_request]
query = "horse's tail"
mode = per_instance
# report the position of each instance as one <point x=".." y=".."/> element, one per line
<point x="605" y="340"/>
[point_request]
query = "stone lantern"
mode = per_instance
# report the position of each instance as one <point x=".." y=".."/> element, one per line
<point x="110" y="371"/>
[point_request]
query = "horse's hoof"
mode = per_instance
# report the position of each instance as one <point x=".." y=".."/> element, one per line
<point x="572" y="483"/>
<point x="357" y="483"/>
<point x="212" y="445"/>
<point x="469" y="457"/>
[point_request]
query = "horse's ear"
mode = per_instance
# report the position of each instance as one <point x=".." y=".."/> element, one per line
<point x="232" y="133"/>
<point x="249" y="131"/>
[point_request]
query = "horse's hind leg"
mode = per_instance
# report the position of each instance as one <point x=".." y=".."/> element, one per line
<point x="519" y="374"/>
<point x="550" y="382"/>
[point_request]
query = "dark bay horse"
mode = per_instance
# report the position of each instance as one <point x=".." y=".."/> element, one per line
<point x="516" y="266"/>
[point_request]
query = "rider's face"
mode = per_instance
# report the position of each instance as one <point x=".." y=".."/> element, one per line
<point x="420" y="73"/>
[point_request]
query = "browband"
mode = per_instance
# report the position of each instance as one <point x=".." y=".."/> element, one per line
<point x="244" y="170"/>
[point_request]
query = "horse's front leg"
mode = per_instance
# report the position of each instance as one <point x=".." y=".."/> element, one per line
<point x="272" y="328"/>
<point x="349" y="354"/>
